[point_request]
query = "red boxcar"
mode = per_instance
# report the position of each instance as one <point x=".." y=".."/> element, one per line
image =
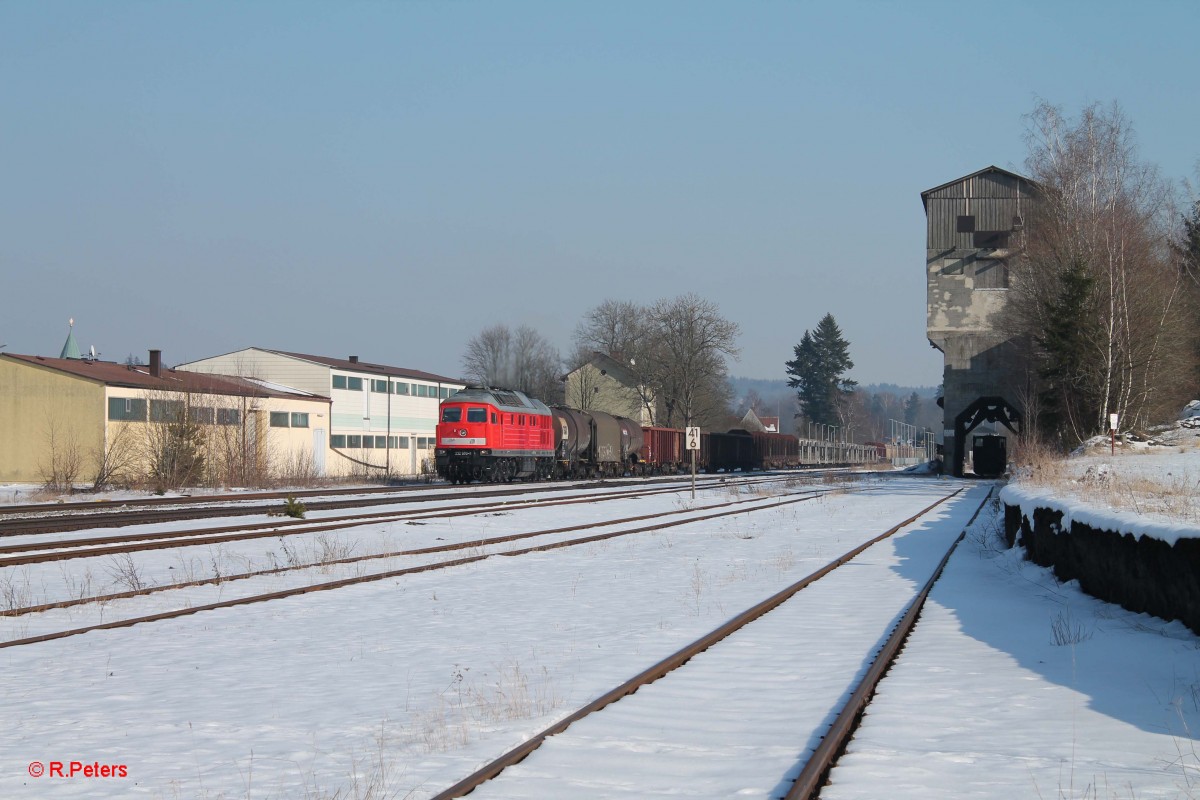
<point x="663" y="450"/>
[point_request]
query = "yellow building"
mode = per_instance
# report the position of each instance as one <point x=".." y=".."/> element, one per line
<point x="605" y="384"/>
<point x="73" y="421"/>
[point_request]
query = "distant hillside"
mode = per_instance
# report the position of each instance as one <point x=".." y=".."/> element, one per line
<point x="878" y="404"/>
<point x="767" y="388"/>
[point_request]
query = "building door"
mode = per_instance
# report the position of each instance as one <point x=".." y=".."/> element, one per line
<point x="318" y="453"/>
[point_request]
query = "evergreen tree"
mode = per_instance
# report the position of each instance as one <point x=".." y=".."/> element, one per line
<point x="1189" y="264"/>
<point x="822" y="359"/>
<point x="1189" y="250"/>
<point x="1069" y="395"/>
<point x="912" y="408"/>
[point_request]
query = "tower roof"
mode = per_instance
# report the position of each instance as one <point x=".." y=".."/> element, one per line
<point x="70" y="348"/>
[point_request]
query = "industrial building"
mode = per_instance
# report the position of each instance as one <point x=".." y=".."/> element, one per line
<point x="73" y="418"/>
<point x="382" y="420"/>
<point x="975" y="227"/>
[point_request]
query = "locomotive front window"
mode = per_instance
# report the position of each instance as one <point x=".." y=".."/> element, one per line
<point x="476" y="415"/>
<point x="452" y="414"/>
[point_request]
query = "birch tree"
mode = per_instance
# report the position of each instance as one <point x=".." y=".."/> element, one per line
<point x="1094" y="299"/>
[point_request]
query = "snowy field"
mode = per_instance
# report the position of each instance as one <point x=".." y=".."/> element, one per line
<point x="1013" y="685"/>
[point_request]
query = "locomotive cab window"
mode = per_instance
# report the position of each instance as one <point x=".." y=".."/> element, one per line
<point x="476" y="415"/>
<point x="451" y="414"/>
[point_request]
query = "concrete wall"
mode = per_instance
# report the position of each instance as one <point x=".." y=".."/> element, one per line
<point x="36" y="403"/>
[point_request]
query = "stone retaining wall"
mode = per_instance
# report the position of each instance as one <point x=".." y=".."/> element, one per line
<point x="1140" y="574"/>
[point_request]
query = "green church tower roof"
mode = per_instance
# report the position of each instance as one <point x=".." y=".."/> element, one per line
<point x="70" y="349"/>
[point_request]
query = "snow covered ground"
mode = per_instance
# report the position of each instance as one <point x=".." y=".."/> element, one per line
<point x="403" y="686"/>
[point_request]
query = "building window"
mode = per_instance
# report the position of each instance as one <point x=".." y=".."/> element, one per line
<point x="126" y="408"/>
<point x="166" y="410"/>
<point x="991" y="240"/>
<point x="422" y="443"/>
<point x="966" y="223"/>
<point x="403" y="443"/>
<point x="422" y="390"/>
<point x="368" y="442"/>
<point x="379" y="386"/>
<point x="337" y="440"/>
<point x="354" y="442"/>
<point x="339" y="381"/>
<point x="444" y="392"/>
<point x="229" y="416"/>
<point x="991" y="275"/>
<point x="400" y="388"/>
<point x="202" y="415"/>
<point x="279" y="419"/>
<point x="380" y="442"/>
<point x="299" y="419"/>
<point x="354" y="384"/>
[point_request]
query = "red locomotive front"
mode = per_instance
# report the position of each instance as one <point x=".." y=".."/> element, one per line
<point x="490" y="434"/>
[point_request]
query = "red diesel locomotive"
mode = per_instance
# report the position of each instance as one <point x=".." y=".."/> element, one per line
<point x="494" y="435"/>
<point x="489" y="434"/>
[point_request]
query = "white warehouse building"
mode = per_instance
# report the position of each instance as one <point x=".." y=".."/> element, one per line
<point x="382" y="419"/>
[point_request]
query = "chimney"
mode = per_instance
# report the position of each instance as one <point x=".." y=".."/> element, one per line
<point x="353" y="359"/>
<point x="156" y="363"/>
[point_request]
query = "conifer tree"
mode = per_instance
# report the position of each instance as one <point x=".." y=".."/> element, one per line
<point x="817" y="373"/>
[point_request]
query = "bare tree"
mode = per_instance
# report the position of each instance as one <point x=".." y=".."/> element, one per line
<point x="173" y="448"/>
<point x="486" y="359"/>
<point x="115" y="457"/>
<point x="536" y="367"/>
<point x="581" y="390"/>
<point x="522" y="359"/>
<point x="1095" y="301"/>
<point x="690" y="341"/>
<point x="237" y="441"/>
<point x="616" y="328"/>
<point x="63" y="459"/>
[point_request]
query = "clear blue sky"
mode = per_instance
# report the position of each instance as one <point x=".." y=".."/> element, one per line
<point x="385" y="179"/>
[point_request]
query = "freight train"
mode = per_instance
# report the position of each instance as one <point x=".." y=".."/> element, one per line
<point x="490" y="434"/>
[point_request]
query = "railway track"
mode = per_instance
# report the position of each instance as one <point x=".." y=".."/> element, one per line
<point x="655" y="744"/>
<point x="479" y="550"/>
<point x="19" y="520"/>
<point x="40" y="551"/>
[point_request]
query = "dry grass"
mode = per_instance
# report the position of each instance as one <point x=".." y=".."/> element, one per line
<point x="465" y="706"/>
<point x="1127" y="481"/>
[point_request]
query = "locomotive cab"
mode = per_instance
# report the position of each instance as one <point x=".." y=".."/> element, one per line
<point x="491" y="434"/>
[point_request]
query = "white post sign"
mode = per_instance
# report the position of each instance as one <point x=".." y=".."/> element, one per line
<point x="692" y="435"/>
